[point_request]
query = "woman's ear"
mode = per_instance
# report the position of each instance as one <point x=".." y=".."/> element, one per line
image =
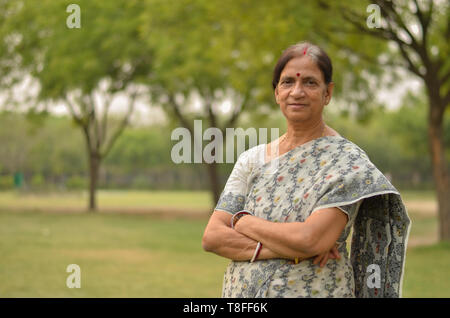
<point x="276" y="94"/>
<point x="329" y="92"/>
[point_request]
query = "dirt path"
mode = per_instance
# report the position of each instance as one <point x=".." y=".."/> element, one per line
<point x="423" y="208"/>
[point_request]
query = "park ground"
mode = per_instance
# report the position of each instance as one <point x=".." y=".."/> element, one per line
<point x="148" y="244"/>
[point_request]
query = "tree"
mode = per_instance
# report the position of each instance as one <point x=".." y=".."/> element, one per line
<point x="207" y="53"/>
<point x="202" y="55"/>
<point x="86" y="64"/>
<point x="419" y="32"/>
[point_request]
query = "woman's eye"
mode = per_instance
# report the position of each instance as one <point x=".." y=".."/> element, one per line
<point x="286" y="82"/>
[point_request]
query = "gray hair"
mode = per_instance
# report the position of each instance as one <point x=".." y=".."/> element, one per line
<point x="319" y="56"/>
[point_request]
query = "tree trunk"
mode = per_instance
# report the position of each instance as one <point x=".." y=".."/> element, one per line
<point x="94" y="166"/>
<point x="214" y="182"/>
<point x="440" y="170"/>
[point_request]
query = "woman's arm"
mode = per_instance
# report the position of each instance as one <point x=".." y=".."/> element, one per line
<point x="221" y="239"/>
<point x="317" y="235"/>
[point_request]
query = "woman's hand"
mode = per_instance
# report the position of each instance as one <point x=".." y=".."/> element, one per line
<point x="323" y="258"/>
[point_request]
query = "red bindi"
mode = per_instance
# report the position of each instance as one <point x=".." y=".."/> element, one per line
<point x="298" y="74"/>
<point x="304" y="51"/>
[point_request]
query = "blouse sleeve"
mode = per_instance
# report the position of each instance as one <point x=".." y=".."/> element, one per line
<point x="232" y="199"/>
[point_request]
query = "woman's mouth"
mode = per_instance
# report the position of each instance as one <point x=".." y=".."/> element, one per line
<point x="298" y="105"/>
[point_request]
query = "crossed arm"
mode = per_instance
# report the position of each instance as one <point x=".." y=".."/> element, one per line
<point x="316" y="236"/>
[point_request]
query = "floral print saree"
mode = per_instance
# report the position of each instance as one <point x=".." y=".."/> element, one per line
<point x="326" y="172"/>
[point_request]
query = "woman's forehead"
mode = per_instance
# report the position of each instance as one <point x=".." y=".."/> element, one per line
<point x="302" y="65"/>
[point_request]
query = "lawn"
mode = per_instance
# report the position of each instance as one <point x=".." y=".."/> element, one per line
<point x="107" y="199"/>
<point x="427" y="271"/>
<point x="119" y="256"/>
<point x="140" y="255"/>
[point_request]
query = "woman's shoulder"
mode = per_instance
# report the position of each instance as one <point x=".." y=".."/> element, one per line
<point x="344" y="145"/>
<point x="252" y="156"/>
<point x="246" y="162"/>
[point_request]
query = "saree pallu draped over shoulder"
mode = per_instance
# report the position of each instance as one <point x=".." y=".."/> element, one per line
<point x="326" y="172"/>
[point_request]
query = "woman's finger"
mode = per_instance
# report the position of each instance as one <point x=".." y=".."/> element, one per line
<point x="336" y="252"/>
<point x="318" y="259"/>
<point x="324" y="260"/>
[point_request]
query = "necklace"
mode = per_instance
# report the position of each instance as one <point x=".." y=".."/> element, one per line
<point x="285" y="135"/>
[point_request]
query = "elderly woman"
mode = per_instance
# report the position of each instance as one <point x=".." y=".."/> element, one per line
<point x="289" y="206"/>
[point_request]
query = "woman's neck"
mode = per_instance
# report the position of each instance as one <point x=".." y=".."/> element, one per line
<point x="296" y="136"/>
<point x="299" y="134"/>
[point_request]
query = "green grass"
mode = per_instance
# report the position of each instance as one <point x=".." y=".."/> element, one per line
<point x="119" y="256"/>
<point x="107" y="199"/>
<point x="427" y="271"/>
<point x="423" y="226"/>
<point x="143" y="256"/>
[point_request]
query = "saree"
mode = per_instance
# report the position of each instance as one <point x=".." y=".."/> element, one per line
<point x="327" y="172"/>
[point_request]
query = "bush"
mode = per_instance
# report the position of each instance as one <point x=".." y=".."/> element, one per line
<point x="37" y="182"/>
<point x="6" y="182"/>
<point x="141" y="182"/>
<point x="76" y="183"/>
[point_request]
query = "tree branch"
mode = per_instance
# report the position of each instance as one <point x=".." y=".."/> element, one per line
<point x="71" y="108"/>
<point x="424" y="22"/>
<point x="122" y="126"/>
<point x="446" y="100"/>
<point x="355" y="19"/>
<point x="94" y="121"/>
<point x="382" y="33"/>
<point x="390" y="10"/>
<point x="232" y="121"/>
<point x="445" y="77"/>
<point x="176" y="109"/>
<point x="104" y="120"/>
<point x="420" y="48"/>
<point x="411" y="66"/>
<point x="361" y="55"/>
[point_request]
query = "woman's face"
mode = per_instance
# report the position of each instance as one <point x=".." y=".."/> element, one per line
<point x="301" y="92"/>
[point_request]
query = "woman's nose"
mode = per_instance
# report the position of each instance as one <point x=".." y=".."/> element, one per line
<point x="297" y="90"/>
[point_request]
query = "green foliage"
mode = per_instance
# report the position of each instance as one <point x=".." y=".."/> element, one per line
<point x="228" y="49"/>
<point x="40" y="149"/>
<point x="6" y="182"/>
<point x="216" y="49"/>
<point x="141" y="147"/>
<point x="85" y="68"/>
<point x="64" y="59"/>
<point x="410" y="121"/>
<point x="395" y="141"/>
<point x="37" y="181"/>
<point x="76" y="183"/>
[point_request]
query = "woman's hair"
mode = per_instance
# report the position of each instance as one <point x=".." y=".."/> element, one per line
<point x="300" y="49"/>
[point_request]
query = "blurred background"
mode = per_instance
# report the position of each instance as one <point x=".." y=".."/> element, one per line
<point x="90" y="92"/>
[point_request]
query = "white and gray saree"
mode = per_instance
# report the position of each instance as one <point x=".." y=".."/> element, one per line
<point x="326" y="172"/>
